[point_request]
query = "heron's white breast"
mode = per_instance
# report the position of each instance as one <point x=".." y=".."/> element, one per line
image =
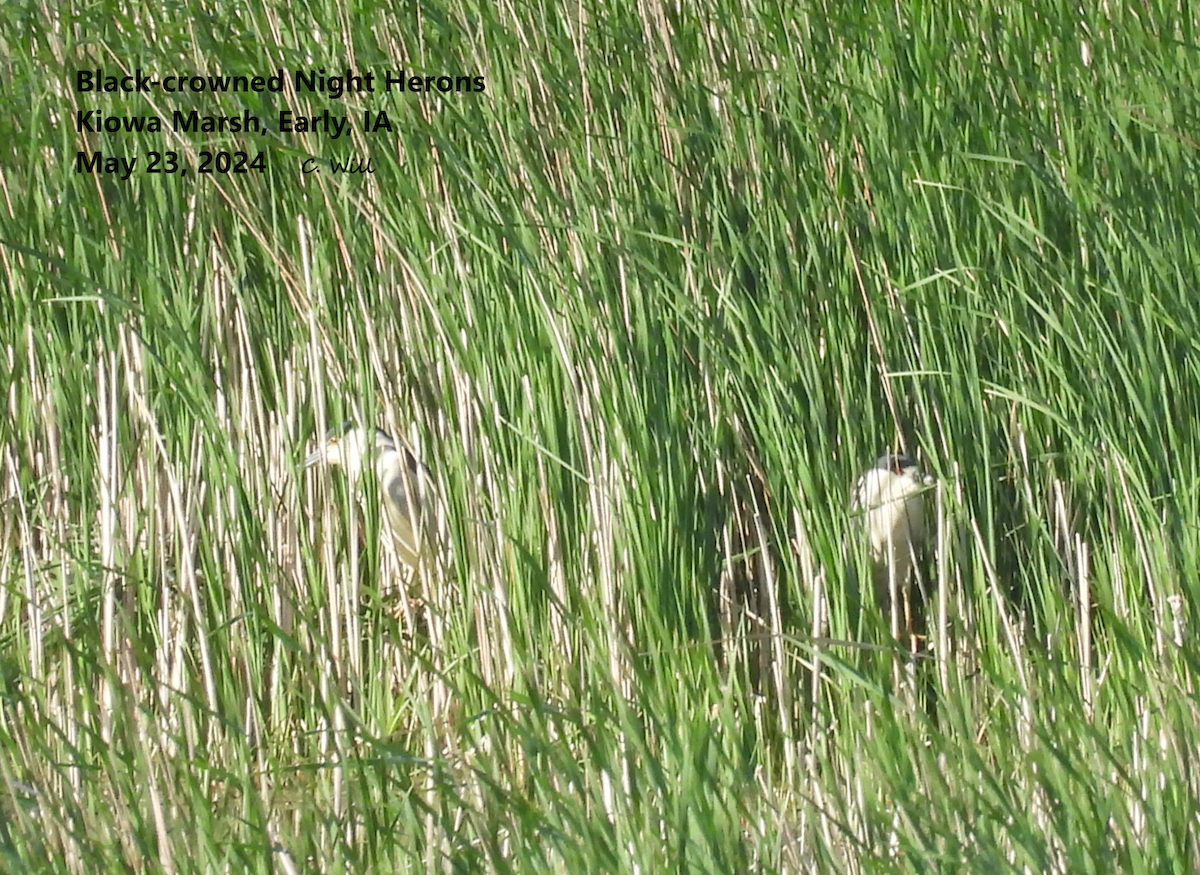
<point x="894" y="514"/>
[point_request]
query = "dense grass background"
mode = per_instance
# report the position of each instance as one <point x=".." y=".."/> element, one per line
<point x="646" y="306"/>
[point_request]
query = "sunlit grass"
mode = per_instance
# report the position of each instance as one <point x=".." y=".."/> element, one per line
<point x="646" y="307"/>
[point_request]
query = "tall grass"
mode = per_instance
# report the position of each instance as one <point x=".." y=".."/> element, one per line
<point x="646" y="306"/>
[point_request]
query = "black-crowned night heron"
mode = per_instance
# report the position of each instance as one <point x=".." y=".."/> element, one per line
<point x="405" y="484"/>
<point x="889" y="502"/>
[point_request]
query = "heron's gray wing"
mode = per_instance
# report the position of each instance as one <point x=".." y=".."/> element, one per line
<point x="406" y="484"/>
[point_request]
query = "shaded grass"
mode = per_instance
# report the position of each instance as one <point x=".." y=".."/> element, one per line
<point x="646" y="305"/>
